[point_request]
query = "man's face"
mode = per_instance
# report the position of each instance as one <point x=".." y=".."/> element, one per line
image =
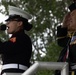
<point x="73" y="20"/>
<point x="13" y="26"/>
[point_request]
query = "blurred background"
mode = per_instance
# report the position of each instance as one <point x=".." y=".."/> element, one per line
<point x="46" y="16"/>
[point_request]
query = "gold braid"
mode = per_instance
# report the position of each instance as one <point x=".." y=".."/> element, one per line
<point x="70" y="34"/>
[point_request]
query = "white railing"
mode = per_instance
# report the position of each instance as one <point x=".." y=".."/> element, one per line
<point x="62" y="66"/>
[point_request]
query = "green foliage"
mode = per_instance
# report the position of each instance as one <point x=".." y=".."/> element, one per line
<point x="46" y="16"/>
<point x="53" y="51"/>
<point x="45" y="72"/>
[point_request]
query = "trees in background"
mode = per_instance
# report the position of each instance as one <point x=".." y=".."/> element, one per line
<point x="46" y="16"/>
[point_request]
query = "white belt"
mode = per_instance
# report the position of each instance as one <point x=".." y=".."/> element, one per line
<point x="14" y="66"/>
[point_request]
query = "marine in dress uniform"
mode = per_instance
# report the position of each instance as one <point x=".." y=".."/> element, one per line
<point x="16" y="52"/>
<point x="68" y="42"/>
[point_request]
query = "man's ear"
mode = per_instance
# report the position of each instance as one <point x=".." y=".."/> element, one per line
<point x="20" y="23"/>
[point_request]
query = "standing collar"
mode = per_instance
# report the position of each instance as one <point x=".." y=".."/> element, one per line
<point x="18" y="33"/>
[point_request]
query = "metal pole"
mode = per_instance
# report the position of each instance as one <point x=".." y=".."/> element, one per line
<point x="65" y="70"/>
<point x="63" y="66"/>
<point x="32" y="69"/>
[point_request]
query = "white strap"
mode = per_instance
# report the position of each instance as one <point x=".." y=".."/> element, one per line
<point x="14" y="66"/>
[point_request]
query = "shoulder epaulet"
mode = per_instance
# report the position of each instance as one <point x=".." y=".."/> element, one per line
<point x="13" y="39"/>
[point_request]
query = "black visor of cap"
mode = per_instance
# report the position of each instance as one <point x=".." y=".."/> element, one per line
<point x="72" y="6"/>
<point x="27" y="26"/>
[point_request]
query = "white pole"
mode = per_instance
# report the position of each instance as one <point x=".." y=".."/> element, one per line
<point x="32" y="69"/>
<point x="63" y="66"/>
<point x="65" y="70"/>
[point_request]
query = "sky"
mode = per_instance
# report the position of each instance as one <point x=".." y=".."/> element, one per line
<point x="2" y="18"/>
